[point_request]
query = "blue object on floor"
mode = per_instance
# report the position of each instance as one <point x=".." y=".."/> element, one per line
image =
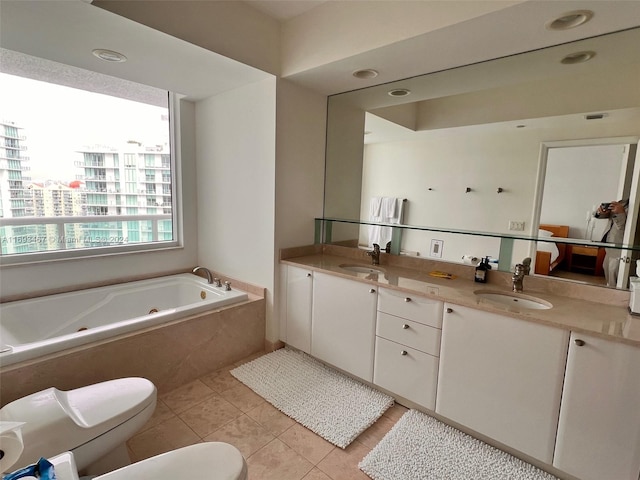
<point x="43" y="469"/>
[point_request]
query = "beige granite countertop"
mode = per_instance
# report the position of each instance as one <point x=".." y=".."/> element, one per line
<point x="575" y="309"/>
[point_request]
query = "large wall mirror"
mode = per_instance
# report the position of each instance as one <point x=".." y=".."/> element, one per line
<point x="523" y="147"/>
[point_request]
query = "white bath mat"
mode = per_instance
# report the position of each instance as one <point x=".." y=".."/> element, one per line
<point x="325" y="401"/>
<point x="421" y="447"/>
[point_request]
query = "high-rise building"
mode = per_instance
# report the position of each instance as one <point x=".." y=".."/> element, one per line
<point x="14" y="175"/>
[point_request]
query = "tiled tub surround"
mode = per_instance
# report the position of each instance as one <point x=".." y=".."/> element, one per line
<point x="169" y="355"/>
<point x="587" y="309"/>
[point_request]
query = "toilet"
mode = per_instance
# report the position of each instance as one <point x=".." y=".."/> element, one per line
<point x="84" y="432"/>
<point x="92" y="422"/>
<point x="202" y="461"/>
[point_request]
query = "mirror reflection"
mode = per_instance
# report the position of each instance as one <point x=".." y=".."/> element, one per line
<point x="474" y="149"/>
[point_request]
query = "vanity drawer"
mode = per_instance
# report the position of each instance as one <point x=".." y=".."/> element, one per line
<point x="411" y="307"/>
<point x="406" y="372"/>
<point x="410" y="333"/>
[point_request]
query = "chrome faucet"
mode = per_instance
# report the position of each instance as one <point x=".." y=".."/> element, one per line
<point x="518" y="277"/>
<point x="375" y="254"/>
<point x="205" y="270"/>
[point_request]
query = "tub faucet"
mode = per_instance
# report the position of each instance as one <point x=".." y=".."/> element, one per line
<point x="518" y="277"/>
<point x="205" y="270"/>
<point x="375" y="254"/>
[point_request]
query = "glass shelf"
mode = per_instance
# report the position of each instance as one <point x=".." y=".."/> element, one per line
<point x="324" y="228"/>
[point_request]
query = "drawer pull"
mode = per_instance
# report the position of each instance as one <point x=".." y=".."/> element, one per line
<point x="405" y="326"/>
<point x="579" y="342"/>
<point x="308" y="274"/>
<point x="372" y="290"/>
<point x="449" y="310"/>
<point x="403" y="352"/>
<point x="407" y="299"/>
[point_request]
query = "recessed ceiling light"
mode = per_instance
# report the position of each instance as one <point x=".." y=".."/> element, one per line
<point x="109" y="55"/>
<point x="578" y="57"/>
<point x="570" y="20"/>
<point x="365" y="73"/>
<point x="399" y="92"/>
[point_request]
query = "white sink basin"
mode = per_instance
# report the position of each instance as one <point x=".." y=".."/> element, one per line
<point x="513" y="299"/>
<point x="356" y="268"/>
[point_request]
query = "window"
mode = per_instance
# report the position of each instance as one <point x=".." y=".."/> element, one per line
<point x="66" y="197"/>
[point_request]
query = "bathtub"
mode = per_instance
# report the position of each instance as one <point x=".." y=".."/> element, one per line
<point x="43" y="325"/>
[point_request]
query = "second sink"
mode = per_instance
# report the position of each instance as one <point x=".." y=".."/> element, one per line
<point x="352" y="267"/>
<point x="514" y="299"/>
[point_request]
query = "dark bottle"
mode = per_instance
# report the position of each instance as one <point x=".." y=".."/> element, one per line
<point x="482" y="270"/>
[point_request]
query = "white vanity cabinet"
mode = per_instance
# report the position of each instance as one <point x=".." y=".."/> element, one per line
<point x="599" y="428"/>
<point x="502" y="377"/>
<point x="408" y="345"/>
<point x="298" y="307"/>
<point x="343" y="324"/>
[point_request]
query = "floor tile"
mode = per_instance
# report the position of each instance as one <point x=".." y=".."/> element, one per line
<point x="208" y="416"/>
<point x="343" y="464"/>
<point x="160" y="414"/>
<point x="276" y="461"/>
<point x="220" y="380"/>
<point x="316" y="474"/>
<point x="242" y="397"/>
<point x="271" y="418"/>
<point x="372" y="435"/>
<point x="307" y="443"/>
<point x="395" y="412"/>
<point x="187" y="396"/>
<point x="168" y="435"/>
<point x="244" y="433"/>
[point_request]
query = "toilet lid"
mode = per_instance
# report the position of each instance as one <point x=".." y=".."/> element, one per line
<point x="56" y="420"/>
<point x="202" y="461"/>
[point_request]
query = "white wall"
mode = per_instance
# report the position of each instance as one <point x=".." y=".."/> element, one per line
<point x="78" y="273"/>
<point x="300" y="141"/>
<point x="235" y="138"/>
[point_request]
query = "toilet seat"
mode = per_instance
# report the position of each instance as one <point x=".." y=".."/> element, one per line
<point x="202" y="461"/>
<point x="58" y="421"/>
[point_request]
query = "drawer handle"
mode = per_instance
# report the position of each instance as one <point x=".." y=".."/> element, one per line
<point x="372" y="290"/>
<point x="308" y="274"/>
<point x="449" y="310"/>
<point x="405" y="326"/>
<point x="579" y="342"/>
<point x="403" y="352"/>
<point x="407" y="299"/>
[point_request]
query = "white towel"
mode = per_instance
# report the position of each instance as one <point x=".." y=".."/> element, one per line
<point x="383" y="210"/>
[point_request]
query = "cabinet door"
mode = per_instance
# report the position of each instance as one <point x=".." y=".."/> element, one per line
<point x="299" y="295"/>
<point x="502" y="377"/>
<point x="599" y="429"/>
<point x="406" y="372"/>
<point x="343" y="324"/>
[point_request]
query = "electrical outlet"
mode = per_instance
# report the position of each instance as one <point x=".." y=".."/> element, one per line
<point x="516" y="226"/>
<point x="436" y="248"/>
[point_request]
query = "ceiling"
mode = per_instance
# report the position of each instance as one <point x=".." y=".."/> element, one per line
<point x="283" y="10"/>
<point x="61" y="30"/>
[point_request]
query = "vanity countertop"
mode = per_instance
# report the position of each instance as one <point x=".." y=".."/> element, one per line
<point x="608" y="321"/>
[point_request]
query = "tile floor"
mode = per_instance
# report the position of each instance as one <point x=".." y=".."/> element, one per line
<point x="217" y="407"/>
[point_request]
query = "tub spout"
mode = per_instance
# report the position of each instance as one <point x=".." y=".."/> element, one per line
<point x="205" y="270"/>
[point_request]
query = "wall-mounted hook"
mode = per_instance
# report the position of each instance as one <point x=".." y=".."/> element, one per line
<point x="500" y="190"/>
<point x="468" y="190"/>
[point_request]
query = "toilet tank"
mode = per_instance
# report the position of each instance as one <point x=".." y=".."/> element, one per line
<point x="57" y="421"/>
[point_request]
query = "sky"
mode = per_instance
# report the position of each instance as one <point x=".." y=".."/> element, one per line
<point x="57" y="121"/>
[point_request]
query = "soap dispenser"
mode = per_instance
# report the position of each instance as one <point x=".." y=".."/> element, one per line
<point x="482" y="270"/>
